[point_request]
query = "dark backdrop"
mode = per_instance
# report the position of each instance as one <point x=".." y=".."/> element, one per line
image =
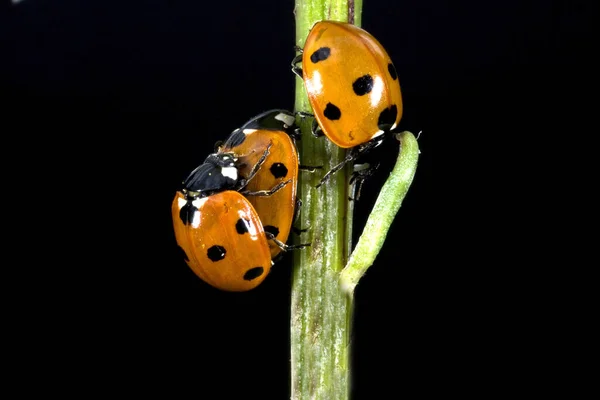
<point x="116" y="101"/>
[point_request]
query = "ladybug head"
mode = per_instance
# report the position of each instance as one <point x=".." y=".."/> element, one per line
<point x="217" y="173"/>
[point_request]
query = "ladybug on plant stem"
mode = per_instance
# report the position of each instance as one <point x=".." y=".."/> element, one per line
<point x="278" y="211"/>
<point x="218" y="229"/>
<point x="352" y="87"/>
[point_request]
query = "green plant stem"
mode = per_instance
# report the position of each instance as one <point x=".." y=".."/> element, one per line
<point x="386" y="206"/>
<point x="321" y="312"/>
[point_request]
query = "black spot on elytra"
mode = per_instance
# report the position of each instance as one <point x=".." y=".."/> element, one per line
<point x="216" y="253"/>
<point x="332" y="112"/>
<point x="241" y="226"/>
<point x="253" y="273"/>
<point x="279" y="170"/>
<point x="182" y="253"/>
<point x="320" y="54"/>
<point x="392" y="71"/>
<point x="387" y="118"/>
<point x="186" y="214"/>
<point x="363" y="85"/>
<point x="273" y="230"/>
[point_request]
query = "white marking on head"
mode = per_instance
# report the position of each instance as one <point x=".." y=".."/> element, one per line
<point x="230" y="172"/>
<point x="249" y="131"/>
<point x="286" y="119"/>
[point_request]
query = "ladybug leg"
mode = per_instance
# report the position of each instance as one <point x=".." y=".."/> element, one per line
<point x="283" y="246"/>
<point x="295" y="68"/>
<point x="269" y="192"/>
<point x="277" y="258"/>
<point x="359" y="175"/>
<point x="260" y="161"/>
<point x="352" y="155"/>
<point x="296" y="134"/>
<point x="242" y="183"/>
<point x="315" y="129"/>
<point x="298" y="205"/>
<point x="297" y="231"/>
<point x="309" y="168"/>
<point x="304" y="114"/>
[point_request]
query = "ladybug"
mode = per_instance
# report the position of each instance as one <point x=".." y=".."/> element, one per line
<point x="218" y="229"/>
<point x="223" y="239"/>
<point x="277" y="211"/>
<point x="352" y="87"/>
<point x="216" y="225"/>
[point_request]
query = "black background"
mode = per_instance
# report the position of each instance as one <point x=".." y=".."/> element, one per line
<point x="116" y="101"/>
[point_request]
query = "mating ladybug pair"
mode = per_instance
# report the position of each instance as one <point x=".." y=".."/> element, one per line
<point x="235" y="211"/>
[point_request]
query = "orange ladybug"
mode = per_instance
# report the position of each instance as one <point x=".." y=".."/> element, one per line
<point x="223" y="239"/>
<point x="218" y="229"/>
<point x="277" y="211"/>
<point x="215" y="223"/>
<point x="352" y="86"/>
